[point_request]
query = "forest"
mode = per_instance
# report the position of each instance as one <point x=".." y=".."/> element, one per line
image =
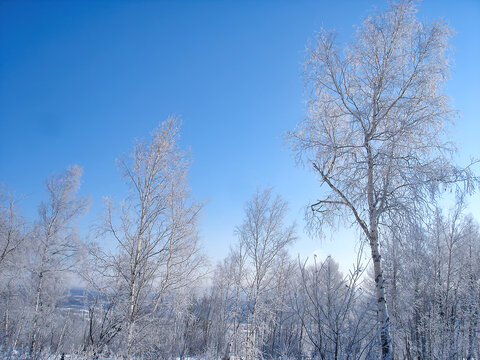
<point x="375" y="135"/>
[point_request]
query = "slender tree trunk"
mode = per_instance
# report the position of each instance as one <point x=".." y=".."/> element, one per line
<point x="130" y="325"/>
<point x="381" y="302"/>
<point x="386" y="343"/>
<point x="62" y="334"/>
<point x="15" y="338"/>
<point x="6" y="318"/>
<point x="134" y="289"/>
<point x="37" y="310"/>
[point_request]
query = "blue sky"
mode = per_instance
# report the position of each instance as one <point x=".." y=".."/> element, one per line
<point x="80" y="80"/>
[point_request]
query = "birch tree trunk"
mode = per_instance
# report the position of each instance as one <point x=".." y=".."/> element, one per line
<point x="383" y="317"/>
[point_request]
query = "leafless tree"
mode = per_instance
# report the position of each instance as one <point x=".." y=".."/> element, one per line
<point x="155" y="229"/>
<point x="53" y="245"/>
<point x="13" y="232"/>
<point x="12" y="228"/>
<point x="375" y="122"/>
<point x="262" y="236"/>
<point x="332" y="309"/>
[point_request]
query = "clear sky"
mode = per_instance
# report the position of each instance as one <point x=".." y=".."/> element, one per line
<point x="79" y="80"/>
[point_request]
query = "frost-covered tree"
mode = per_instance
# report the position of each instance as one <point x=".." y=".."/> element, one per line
<point x="154" y="229"/>
<point x="375" y="125"/>
<point x="263" y="236"/>
<point x="431" y="262"/>
<point x="13" y="232"/>
<point x="12" y="228"/>
<point x="333" y="310"/>
<point x="51" y="253"/>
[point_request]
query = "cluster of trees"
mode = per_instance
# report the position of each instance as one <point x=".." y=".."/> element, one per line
<point x="374" y="135"/>
<point x="151" y="300"/>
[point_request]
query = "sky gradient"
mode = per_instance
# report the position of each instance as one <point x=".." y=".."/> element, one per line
<point x="79" y="81"/>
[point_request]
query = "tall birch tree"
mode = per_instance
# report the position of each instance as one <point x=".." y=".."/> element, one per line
<point x="155" y="230"/>
<point x="375" y="125"/>
<point x="263" y="236"/>
<point x="54" y="245"/>
<point x="12" y="228"/>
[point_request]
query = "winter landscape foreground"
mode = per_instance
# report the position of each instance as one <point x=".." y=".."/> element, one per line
<point x="374" y="136"/>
